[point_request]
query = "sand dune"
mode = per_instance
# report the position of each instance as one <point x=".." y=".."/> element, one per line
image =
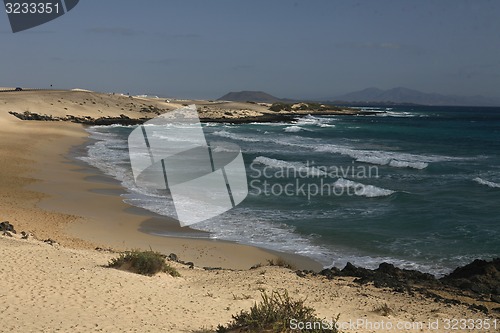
<point x="51" y="288"/>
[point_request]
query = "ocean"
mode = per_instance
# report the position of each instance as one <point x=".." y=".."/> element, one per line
<point x="415" y="186"/>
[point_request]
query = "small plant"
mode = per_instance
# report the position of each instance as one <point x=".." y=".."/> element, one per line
<point x="274" y="314"/>
<point x="242" y="297"/>
<point x="170" y="270"/>
<point x="383" y="310"/>
<point x="281" y="263"/>
<point x="143" y="262"/>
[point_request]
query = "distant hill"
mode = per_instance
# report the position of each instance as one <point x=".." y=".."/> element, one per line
<point x="393" y="96"/>
<point x="405" y="95"/>
<point x="253" y="96"/>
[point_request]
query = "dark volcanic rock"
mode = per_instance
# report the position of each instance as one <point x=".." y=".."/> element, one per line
<point x="50" y="241"/>
<point x="480" y="276"/>
<point x="386" y="275"/>
<point x="34" y="116"/>
<point x="121" y="120"/>
<point x="6" y="226"/>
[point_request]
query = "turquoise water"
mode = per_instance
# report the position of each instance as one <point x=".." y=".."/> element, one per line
<point x="415" y="186"/>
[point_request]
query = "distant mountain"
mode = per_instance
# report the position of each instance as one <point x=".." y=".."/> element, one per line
<point x="393" y="96"/>
<point x="253" y="96"/>
<point x="405" y="95"/>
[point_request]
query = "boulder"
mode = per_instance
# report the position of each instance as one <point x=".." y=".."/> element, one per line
<point x="481" y="277"/>
<point x="6" y="226"/>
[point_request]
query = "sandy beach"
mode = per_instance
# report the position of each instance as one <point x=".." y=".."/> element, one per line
<point x="65" y="288"/>
<point x="76" y="199"/>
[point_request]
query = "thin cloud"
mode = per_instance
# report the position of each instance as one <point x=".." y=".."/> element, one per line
<point x="117" y="31"/>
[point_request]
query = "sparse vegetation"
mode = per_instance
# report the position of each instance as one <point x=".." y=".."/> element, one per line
<point x="309" y="106"/>
<point x="143" y="262"/>
<point x="279" y="106"/>
<point x="274" y="314"/>
<point x="242" y="297"/>
<point x="281" y="263"/>
<point x="384" y="310"/>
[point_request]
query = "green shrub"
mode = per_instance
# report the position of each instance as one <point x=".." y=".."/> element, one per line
<point x="273" y="314"/>
<point x="278" y="106"/>
<point x="143" y="262"/>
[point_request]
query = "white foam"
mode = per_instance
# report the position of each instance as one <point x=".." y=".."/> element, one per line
<point x="266" y="228"/>
<point x="299" y="166"/>
<point x="226" y="134"/>
<point x="293" y="129"/>
<point x="360" y="189"/>
<point x="373" y="262"/>
<point x="406" y="164"/>
<point x="380" y="157"/>
<point x="270" y="124"/>
<point x="315" y="121"/>
<point x="398" y="114"/>
<point x="486" y="182"/>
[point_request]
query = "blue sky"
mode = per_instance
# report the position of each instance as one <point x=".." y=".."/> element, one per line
<point x="309" y="49"/>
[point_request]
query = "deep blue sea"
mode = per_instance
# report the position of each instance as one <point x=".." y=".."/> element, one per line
<point x="415" y="186"/>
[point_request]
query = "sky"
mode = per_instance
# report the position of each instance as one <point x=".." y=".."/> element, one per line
<point x="296" y="49"/>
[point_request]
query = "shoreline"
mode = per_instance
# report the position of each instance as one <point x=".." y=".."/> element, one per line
<point x="85" y="105"/>
<point x="105" y="221"/>
<point x="72" y="103"/>
<point x="68" y="287"/>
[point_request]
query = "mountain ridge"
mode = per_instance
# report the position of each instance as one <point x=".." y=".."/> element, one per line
<point x="406" y="95"/>
<point x="373" y="95"/>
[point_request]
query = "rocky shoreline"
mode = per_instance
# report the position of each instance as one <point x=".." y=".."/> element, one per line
<point x="479" y="280"/>
<point x="126" y="120"/>
<point x="87" y="120"/>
